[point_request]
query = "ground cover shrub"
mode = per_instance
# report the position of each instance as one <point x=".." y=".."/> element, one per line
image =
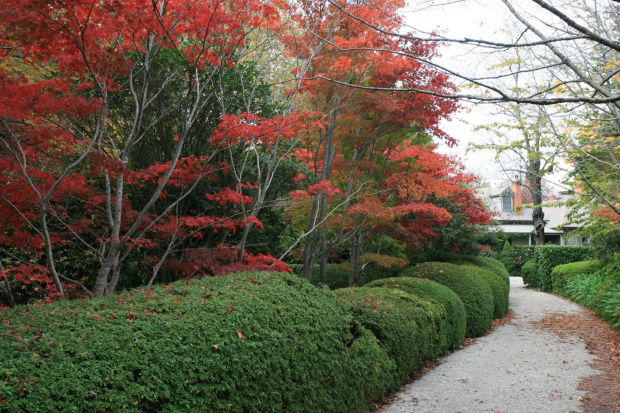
<point x="487" y="263"/>
<point x="599" y="291"/>
<point x="473" y="291"/>
<point x="528" y="270"/>
<point x="251" y="342"/>
<point x="500" y="290"/>
<point x="405" y="325"/>
<point x="563" y="272"/>
<point x="507" y="257"/>
<point x="585" y="289"/>
<point x="549" y="256"/>
<point x="451" y="332"/>
<point x="609" y="306"/>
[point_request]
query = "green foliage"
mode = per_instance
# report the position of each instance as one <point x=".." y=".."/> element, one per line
<point x="476" y="295"/>
<point x="599" y="291"/>
<point x="548" y="257"/>
<point x="526" y="252"/>
<point x="609" y="306"/>
<point x="499" y="288"/>
<point x="250" y="342"/>
<point x="507" y="257"/>
<point x="337" y="275"/>
<point x="487" y="263"/>
<point x="585" y="288"/>
<point x="451" y="329"/>
<point x="528" y="271"/>
<point x="563" y="272"/>
<point x="405" y="325"/>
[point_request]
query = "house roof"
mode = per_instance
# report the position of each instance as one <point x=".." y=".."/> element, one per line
<point x="522" y="221"/>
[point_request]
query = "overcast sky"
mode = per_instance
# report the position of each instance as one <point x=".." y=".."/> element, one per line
<point x="477" y="20"/>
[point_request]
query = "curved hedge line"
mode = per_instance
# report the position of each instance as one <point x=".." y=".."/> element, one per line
<point x="451" y="332"/>
<point x="405" y="325"/>
<point x="499" y="288"/>
<point x="486" y="263"/>
<point x="476" y="295"/>
<point x="251" y="342"/>
<point x="563" y="272"/>
<point x="528" y="271"/>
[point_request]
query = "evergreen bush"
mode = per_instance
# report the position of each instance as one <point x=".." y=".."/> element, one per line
<point x="507" y="257"/>
<point x="404" y="324"/>
<point x="251" y="342"/>
<point x="487" y="263"/>
<point x="549" y="256"/>
<point x="499" y="288"/>
<point x="528" y="270"/>
<point x="563" y="272"/>
<point x="475" y="294"/>
<point x="451" y="329"/>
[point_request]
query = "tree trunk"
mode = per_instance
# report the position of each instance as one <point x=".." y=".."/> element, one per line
<point x="7" y="288"/>
<point x="538" y="216"/>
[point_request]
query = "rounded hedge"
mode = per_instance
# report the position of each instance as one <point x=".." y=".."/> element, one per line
<point x="563" y="272"/>
<point x="499" y="288"/>
<point x="251" y="342"/>
<point x="487" y="263"/>
<point x="476" y="295"/>
<point x="528" y="271"/>
<point x="452" y="328"/>
<point x="405" y="325"/>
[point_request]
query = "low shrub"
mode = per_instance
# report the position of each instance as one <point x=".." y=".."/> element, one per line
<point x="487" y="263"/>
<point x="549" y="256"/>
<point x="473" y="291"/>
<point x="585" y="289"/>
<point x="499" y="288"/>
<point x="451" y="331"/>
<point x="251" y="342"/>
<point x="609" y="306"/>
<point x="404" y="324"/>
<point x="563" y="272"/>
<point x="528" y="270"/>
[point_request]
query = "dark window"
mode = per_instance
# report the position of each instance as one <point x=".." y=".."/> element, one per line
<point x="506" y="202"/>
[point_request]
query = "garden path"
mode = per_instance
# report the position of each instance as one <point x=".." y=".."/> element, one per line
<point x="522" y="366"/>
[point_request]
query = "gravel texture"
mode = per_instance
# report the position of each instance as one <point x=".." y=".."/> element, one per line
<point x="519" y="367"/>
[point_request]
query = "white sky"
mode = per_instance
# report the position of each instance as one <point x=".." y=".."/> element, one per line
<point x="476" y="19"/>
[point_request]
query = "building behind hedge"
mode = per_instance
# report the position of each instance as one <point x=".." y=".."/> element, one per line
<point x="515" y="219"/>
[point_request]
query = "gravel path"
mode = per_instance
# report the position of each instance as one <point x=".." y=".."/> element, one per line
<point x="518" y="368"/>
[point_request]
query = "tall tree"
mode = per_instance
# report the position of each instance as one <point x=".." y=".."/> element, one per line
<point x="88" y="88"/>
<point x="527" y="149"/>
<point x="358" y="125"/>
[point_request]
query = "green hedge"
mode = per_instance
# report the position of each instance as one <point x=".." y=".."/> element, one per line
<point x="476" y="295"/>
<point x="526" y="252"/>
<point x="338" y="274"/>
<point x="451" y="331"/>
<point x="549" y="256"/>
<point x="487" y="263"/>
<point x="405" y="325"/>
<point x="563" y="272"/>
<point x="499" y="288"/>
<point x="528" y="270"/>
<point x="251" y="342"/>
